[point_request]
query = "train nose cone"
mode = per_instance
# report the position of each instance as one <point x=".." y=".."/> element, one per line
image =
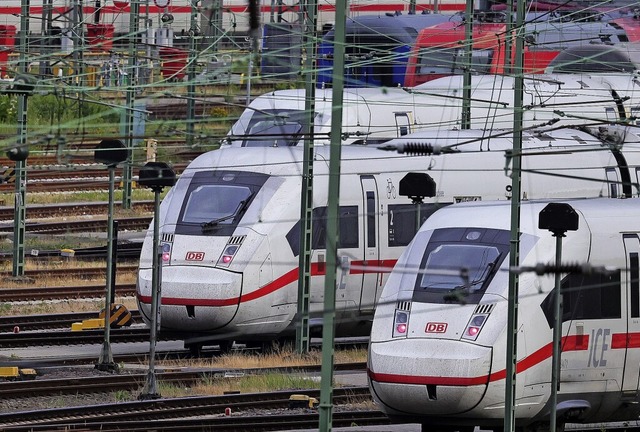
<point x="428" y="377"/>
<point x="193" y="298"/>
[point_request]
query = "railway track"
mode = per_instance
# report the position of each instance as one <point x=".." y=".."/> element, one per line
<point x="204" y="410"/>
<point x="73" y="209"/>
<point x="50" y="321"/>
<point x="63" y="292"/>
<point x="94" y="225"/>
<point x="43" y="386"/>
<point x="68" y="337"/>
<point x="126" y="251"/>
<point x="70" y="178"/>
<point x="77" y="272"/>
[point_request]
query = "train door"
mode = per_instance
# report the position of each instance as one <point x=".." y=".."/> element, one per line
<point x="371" y="249"/>
<point x="632" y="284"/>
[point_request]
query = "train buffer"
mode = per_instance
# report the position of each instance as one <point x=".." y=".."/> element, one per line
<point x="302" y="401"/>
<point x="120" y="316"/>
<point x="14" y="373"/>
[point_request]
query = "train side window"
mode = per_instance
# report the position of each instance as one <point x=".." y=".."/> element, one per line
<point x="612" y="178"/>
<point x="634" y="276"/>
<point x="586" y="297"/>
<point x="371" y="219"/>
<point x="402" y="221"/>
<point x="348" y="229"/>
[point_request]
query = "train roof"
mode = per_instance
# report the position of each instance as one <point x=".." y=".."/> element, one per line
<point x="281" y="159"/>
<point x="597" y="58"/>
<point x="578" y="85"/>
<point x="400" y="28"/>
<point x="601" y="214"/>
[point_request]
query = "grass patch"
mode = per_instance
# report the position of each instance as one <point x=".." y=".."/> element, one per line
<point x="141" y="194"/>
<point x="246" y="384"/>
<point x="283" y="357"/>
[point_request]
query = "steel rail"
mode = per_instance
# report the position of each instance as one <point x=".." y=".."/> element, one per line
<point x="102" y="384"/>
<point x="130" y="223"/>
<point x="63" y="292"/>
<point x="168" y="408"/>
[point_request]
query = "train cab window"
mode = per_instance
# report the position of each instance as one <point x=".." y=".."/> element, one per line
<point x="449" y="61"/>
<point x="596" y="296"/>
<point x="270" y="128"/>
<point x="348" y="229"/>
<point x="216" y="201"/>
<point x="479" y="251"/>
<point x="274" y="134"/>
<point x="402" y="221"/>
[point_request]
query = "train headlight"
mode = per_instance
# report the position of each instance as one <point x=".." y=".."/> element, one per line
<point x="400" y="323"/>
<point x="166" y="252"/>
<point x="475" y="325"/>
<point x="227" y="255"/>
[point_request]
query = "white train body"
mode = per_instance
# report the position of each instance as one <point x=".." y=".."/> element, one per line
<point x="378" y="114"/>
<point x="237" y="279"/>
<point x="447" y="369"/>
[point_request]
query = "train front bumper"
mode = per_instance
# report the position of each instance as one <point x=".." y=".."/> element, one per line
<point x="194" y="299"/>
<point x="428" y="376"/>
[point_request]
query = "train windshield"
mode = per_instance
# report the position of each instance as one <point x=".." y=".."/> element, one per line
<point x="452" y="61"/>
<point x="216" y="201"/>
<point x="459" y="263"/>
<point x="270" y="128"/>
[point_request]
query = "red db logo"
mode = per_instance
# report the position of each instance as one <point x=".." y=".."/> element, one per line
<point x="194" y="256"/>
<point x="436" y="327"/>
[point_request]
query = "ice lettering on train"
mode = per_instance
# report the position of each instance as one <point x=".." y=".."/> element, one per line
<point x="597" y="350"/>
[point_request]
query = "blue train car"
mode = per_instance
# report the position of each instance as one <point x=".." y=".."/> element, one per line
<point x="377" y="48"/>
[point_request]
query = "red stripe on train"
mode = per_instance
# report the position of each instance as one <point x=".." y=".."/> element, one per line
<point x="317" y="269"/>
<point x="569" y="343"/>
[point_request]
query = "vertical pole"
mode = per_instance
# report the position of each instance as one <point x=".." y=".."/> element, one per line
<point x="306" y="202"/>
<point x="105" y="362"/>
<point x="77" y="35"/>
<point x="468" y="56"/>
<point x="514" y="254"/>
<point x="254" y="36"/>
<point x="45" y="43"/>
<point x="150" y="390"/>
<point x="412" y="7"/>
<point x="508" y="41"/>
<point x="557" y="335"/>
<point x="113" y="256"/>
<point x="191" y="75"/>
<point x="127" y="170"/>
<point x="328" y="315"/>
<point x="20" y="203"/>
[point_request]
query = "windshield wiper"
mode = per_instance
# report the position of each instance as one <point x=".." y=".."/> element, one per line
<point x="242" y="206"/>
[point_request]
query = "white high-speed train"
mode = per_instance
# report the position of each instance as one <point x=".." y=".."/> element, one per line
<point x="372" y="115"/>
<point x="230" y="227"/>
<point x="438" y="344"/>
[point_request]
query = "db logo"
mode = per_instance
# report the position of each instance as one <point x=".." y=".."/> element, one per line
<point x="194" y="256"/>
<point x="436" y="327"/>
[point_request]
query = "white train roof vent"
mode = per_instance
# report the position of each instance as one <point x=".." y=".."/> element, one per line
<point x="167" y="237"/>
